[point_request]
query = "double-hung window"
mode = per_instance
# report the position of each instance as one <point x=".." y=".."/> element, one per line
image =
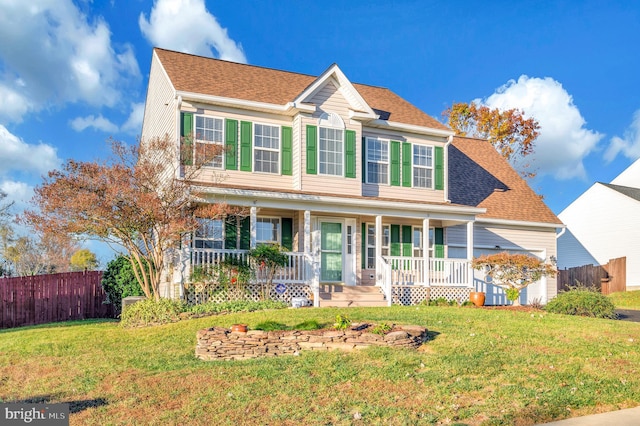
<point x="422" y="166"/>
<point x="371" y="244"/>
<point x="266" y="143"/>
<point x="377" y="161"/>
<point x="209" y="136"/>
<point x="268" y="230"/>
<point x="331" y="151"/>
<point x="210" y="234"/>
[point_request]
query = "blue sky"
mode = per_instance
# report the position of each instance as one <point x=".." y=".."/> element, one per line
<point x="73" y="73"/>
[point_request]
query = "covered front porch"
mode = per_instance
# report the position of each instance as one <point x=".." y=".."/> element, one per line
<point x="399" y="252"/>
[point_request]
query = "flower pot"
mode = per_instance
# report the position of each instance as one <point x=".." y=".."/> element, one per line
<point x="239" y="328"/>
<point x="477" y="298"/>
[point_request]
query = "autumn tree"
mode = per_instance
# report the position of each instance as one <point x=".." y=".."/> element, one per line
<point x="513" y="272"/>
<point x="84" y="259"/>
<point x="40" y="254"/>
<point x="140" y="200"/>
<point x="509" y="131"/>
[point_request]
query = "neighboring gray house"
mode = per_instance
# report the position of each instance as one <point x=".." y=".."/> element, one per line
<point x="602" y="224"/>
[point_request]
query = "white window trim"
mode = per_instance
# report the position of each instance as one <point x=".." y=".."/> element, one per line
<point x="368" y="246"/>
<point x="196" y="140"/>
<point x="388" y="162"/>
<point x="196" y="238"/>
<point x="253" y="148"/>
<point x="432" y="168"/>
<point x="341" y="153"/>
<point x="278" y="230"/>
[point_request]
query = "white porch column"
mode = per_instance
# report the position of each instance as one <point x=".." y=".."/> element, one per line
<point x="307" y="232"/>
<point x="253" y="218"/>
<point x="425" y="252"/>
<point x="378" y="248"/>
<point x="470" y="250"/>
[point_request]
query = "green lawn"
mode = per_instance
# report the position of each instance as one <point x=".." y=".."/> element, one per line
<point x="626" y="299"/>
<point x="481" y="367"/>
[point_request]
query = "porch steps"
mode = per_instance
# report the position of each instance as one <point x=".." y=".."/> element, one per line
<point x="343" y="296"/>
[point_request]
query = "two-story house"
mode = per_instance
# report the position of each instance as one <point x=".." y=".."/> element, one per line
<point x="364" y="190"/>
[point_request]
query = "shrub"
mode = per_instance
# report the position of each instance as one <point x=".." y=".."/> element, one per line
<point x="308" y="325"/>
<point x="235" y="306"/>
<point x="584" y="302"/>
<point x="342" y="322"/>
<point x="151" y="312"/>
<point x="118" y="281"/>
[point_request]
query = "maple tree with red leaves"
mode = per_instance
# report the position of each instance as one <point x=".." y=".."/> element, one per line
<point x="141" y="200"/>
<point x="513" y="272"/>
<point x="509" y="131"/>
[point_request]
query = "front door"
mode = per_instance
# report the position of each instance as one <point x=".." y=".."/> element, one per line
<point x="331" y="251"/>
<point x="337" y="254"/>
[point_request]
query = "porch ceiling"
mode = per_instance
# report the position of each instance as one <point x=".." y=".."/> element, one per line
<point x="338" y="205"/>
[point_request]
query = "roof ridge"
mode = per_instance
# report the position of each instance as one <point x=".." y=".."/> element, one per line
<point x="266" y="68"/>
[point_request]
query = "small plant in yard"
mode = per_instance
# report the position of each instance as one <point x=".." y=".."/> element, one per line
<point x="342" y="322"/>
<point x="268" y="259"/>
<point x="381" y="329"/>
<point x="582" y="301"/>
<point x="513" y="272"/>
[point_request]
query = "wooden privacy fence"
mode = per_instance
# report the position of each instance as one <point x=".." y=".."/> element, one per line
<point x="607" y="278"/>
<point x="41" y="299"/>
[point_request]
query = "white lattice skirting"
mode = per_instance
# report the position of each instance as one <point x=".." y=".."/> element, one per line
<point x="195" y="295"/>
<point x="413" y="294"/>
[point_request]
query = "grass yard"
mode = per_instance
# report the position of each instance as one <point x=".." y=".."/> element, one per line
<point x="482" y="366"/>
<point x="626" y="299"/>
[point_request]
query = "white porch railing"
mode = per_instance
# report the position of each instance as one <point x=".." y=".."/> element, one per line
<point x="441" y="272"/>
<point x="383" y="277"/>
<point x="295" y="271"/>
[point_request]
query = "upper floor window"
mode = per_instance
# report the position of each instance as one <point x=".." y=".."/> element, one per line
<point x="422" y="166"/>
<point x="209" y="136"/>
<point x="266" y="142"/>
<point x="331" y="145"/>
<point x="268" y="230"/>
<point x="377" y="161"/>
<point x="210" y="234"/>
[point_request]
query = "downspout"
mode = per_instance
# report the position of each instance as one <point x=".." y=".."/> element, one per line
<point x="446" y="169"/>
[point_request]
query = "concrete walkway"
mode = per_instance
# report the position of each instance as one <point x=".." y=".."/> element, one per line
<point x="628" y="417"/>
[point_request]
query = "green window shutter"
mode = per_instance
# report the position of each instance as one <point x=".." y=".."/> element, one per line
<point x="407" y="157"/>
<point x="396" y="248"/>
<point x="363" y="244"/>
<point x="364" y="159"/>
<point x="230" y="233"/>
<point x="395" y="163"/>
<point x="312" y="150"/>
<point x="186" y="138"/>
<point x="231" y="144"/>
<point x="439" y="167"/>
<point x="287" y="233"/>
<point x="350" y="153"/>
<point x="438" y="249"/>
<point x="287" y="151"/>
<point x="245" y="234"/>
<point x="246" y="142"/>
<point x="407" y="247"/>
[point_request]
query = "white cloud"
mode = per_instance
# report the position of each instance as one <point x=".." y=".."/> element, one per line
<point x="187" y="26"/>
<point x="629" y="145"/>
<point x="51" y="54"/>
<point x="97" y="123"/>
<point x="133" y="124"/>
<point x="17" y="192"/>
<point x="18" y="155"/>
<point x="564" y="140"/>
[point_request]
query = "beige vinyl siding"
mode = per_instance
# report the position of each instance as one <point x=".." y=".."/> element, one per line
<point x="329" y="99"/>
<point x="298" y="147"/>
<point x="240" y="178"/>
<point x="387" y="191"/>
<point x="160" y="114"/>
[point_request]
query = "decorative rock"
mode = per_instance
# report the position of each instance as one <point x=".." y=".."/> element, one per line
<point x="217" y="343"/>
